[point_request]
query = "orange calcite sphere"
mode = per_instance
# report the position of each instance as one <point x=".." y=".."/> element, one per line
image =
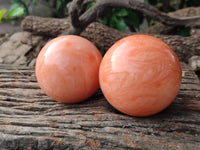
<point x="67" y="69"/>
<point x="140" y="75"/>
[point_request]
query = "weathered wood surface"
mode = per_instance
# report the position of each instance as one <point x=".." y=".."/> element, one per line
<point x="31" y="120"/>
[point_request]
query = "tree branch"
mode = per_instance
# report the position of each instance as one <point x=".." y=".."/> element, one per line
<point x="103" y="37"/>
<point x="81" y="21"/>
<point x="75" y="12"/>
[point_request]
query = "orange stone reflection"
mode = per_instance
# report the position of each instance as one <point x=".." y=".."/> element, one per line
<point x="140" y="75"/>
<point x="67" y="69"/>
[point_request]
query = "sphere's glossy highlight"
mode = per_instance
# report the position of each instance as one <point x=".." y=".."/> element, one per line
<point x="67" y="69"/>
<point x="140" y="75"/>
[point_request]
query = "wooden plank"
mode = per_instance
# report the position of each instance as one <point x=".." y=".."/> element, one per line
<point x="31" y="120"/>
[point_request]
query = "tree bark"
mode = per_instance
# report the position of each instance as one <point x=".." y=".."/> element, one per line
<point x="31" y="120"/>
<point x="166" y="5"/>
<point x="103" y="37"/>
<point x="160" y="28"/>
<point x="81" y="19"/>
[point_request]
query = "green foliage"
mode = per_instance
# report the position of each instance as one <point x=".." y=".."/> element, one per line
<point x="2" y="12"/>
<point x="16" y="11"/>
<point x="34" y="2"/>
<point x="90" y="5"/>
<point x="120" y="18"/>
<point x="114" y="19"/>
<point x="59" y="7"/>
<point x="13" y="12"/>
<point x="17" y="8"/>
<point x="134" y="19"/>
<point x="22" y="4"/>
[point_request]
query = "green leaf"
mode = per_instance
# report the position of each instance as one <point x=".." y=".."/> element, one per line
<point x="18" y="11"/>
<point x="121" y="26"/>
<point x="134" y="19"/>
<point x="121" y="12"/>
<point x="2" y="12"/>
<point x="90" y="5"/>
<point x="104" y="20"/>
<point x="117" y="23"/>
<point x="147" y="1"/>
<point x="113" y="21"/>
<point x="153" y="22"/>
<point x="20" y="3"/>
<point x="58" y="5"/>
<point x="60" y="8"/>
<point x="17" y="2"/>
<point x="15" y="5"/>
<point x="34" y="1"/>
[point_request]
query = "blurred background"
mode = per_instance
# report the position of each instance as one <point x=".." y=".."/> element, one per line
<point x="13" y="11"/>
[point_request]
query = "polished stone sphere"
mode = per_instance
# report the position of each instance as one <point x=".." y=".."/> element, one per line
<point x="140" y="75"/>
<point x="67" y="69"/>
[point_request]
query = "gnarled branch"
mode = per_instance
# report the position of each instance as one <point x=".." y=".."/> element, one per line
<point x="103" y="37"/>
<point x="81" y="20"/>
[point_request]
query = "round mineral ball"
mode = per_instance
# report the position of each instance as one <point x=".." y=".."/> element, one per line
<point x="140" y="75"/>
<point x="67" y="69"/>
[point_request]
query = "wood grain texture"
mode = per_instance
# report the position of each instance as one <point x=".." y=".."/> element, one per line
<point x="30" y="120"/>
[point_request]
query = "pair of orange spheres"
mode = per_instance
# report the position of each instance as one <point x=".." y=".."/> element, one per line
<point x="139" y="75"/>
